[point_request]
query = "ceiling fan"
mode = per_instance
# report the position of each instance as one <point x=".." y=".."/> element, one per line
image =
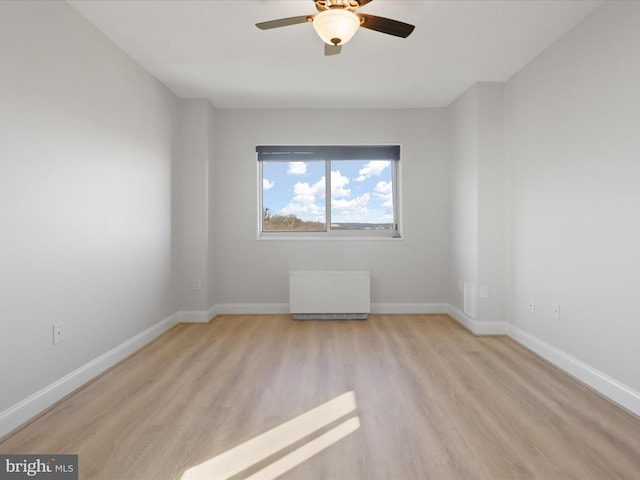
<point x="337" y="22"/>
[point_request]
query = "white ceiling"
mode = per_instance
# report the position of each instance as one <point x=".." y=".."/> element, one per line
<point x="212" y="49"/>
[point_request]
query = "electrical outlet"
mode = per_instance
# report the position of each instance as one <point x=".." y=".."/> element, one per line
<point x="532" y="304"/>
<point x="197" y="285"/>
<point x="58" y="332"/>
<point x="556" y="311"/>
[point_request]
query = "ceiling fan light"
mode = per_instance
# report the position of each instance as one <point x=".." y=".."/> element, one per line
<point x="336" y="26"/>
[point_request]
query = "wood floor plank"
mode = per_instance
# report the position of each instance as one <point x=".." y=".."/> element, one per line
<point x="432" y="402"/>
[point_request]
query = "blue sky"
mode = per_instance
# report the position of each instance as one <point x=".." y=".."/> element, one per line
<point x="360" y="190"/>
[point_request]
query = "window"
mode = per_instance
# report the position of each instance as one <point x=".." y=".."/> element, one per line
<point x="332" y="190"/>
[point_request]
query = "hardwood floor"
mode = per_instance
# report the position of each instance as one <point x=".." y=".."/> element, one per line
<point x="432" y="402"/>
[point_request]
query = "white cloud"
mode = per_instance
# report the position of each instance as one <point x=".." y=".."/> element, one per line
<point x="305" y="193"/>
<point x="304" y="201"/>
<point x="351" y="211"/>
<point x="384" y="190"/>
<point x="267" y="185"/>
<point x="384" y="187"/>
<point x="297" y="168"/>
<point x="373" y="168"/>
<point x="338" y="182"/>
<point x="355" y="203"/>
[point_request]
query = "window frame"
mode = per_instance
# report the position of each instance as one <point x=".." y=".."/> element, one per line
<point x="289" y="153"/>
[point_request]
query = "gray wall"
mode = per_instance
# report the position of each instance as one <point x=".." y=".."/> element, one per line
<point x="85" y="196"/>
<point x="573" y="150"/>
<point x="408" y="272"/>
<point x="477" y="205"/>
<point x="190" y="206"/>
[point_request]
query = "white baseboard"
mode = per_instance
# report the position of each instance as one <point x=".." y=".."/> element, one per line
<point x="196" y="316"/>
<point x="476" y="327"/>
<point x="612" y="389"/>
<point x="283" y="308"/>
<point x="408" y="308"/>
<point x="617" y="392"/>
<point x="251" y="308"/>
<point x="36" y="403"/>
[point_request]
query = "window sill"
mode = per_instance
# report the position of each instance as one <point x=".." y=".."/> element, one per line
<point x="331" y="236"/>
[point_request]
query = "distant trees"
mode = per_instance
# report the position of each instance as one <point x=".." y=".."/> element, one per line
<point x="272" y="222"/>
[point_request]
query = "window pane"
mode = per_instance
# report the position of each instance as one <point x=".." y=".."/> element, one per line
<point x="361" y="195"/>
<point x="293" y="196"/>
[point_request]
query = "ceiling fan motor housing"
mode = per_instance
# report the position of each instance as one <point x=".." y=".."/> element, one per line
<point x="351" y="5"/>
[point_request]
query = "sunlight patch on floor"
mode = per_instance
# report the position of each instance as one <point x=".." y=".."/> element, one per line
<point x="249" y="453"/>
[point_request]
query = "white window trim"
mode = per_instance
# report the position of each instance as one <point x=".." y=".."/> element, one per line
<point x="395" y="235"/>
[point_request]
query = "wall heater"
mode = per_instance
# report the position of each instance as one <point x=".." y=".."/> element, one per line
<point x="329" y="294"/>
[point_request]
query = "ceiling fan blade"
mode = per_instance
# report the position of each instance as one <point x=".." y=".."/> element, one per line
<point x="362" y="3"/>
<point x="386" y="25"/>
<point x="331" y="49"/>
<point x="284" y="22"/>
